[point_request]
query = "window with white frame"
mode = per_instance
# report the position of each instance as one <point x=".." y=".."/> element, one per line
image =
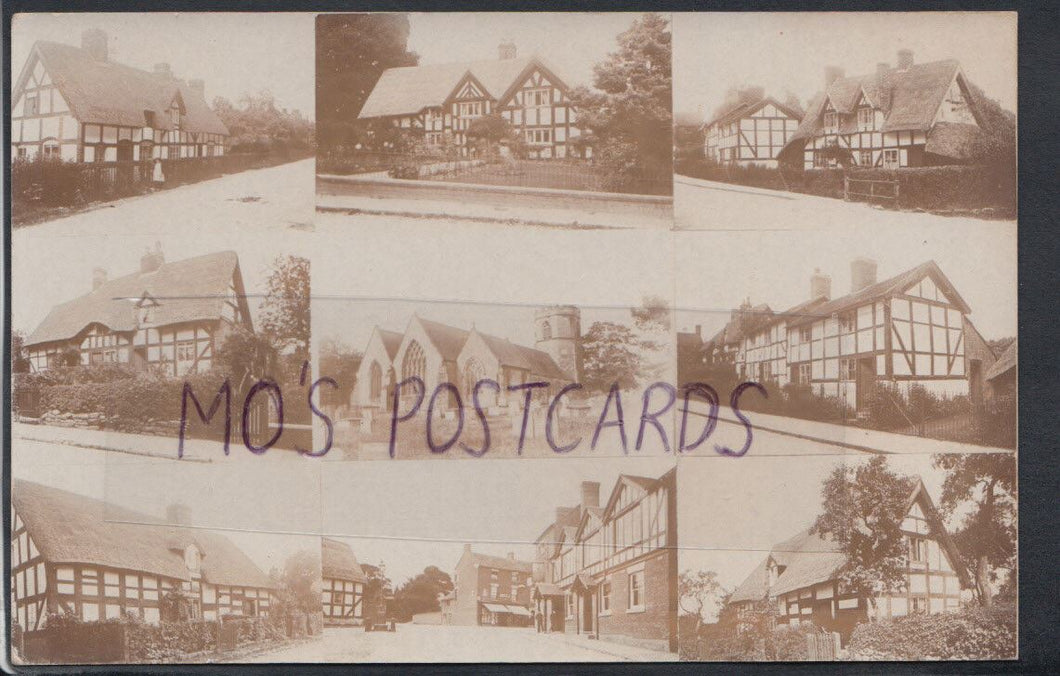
<point x="831" y="121"/>
<point x="539" y="136"/>
<point x="636" y="590"/>
<point x="866" y="116"/>
<point x="605" y="596"/>
<point x="537" y="97"/>
<point x="890" y="159"/>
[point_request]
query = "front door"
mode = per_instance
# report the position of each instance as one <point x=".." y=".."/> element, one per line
<point x="865" y="382"/>
<point x="588" y="616"/>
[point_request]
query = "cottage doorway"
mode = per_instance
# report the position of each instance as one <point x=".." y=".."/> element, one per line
<point x="588" y="616"/>
<point x="865" y="383"/>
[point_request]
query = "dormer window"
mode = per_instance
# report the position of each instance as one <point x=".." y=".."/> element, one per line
<point x="866" y="118"/>
<point x="831" y="121"/>
<point x="193" y="559"/>
<point x="149" y="118"/>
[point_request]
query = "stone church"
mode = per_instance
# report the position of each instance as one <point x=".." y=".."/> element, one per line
<point x="439" y="353"/>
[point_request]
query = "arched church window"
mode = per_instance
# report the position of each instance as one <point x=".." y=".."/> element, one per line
<point x="375" y="381"/>
<point x="415" y="362"/>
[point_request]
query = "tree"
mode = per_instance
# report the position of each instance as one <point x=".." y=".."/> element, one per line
<point x="652" y="315"/>
<point x="340" y="362"/>
<point x="297" y="585"/>
<point x="19" y="361"/>
<point x="420" y="594"/>
<point x="986" y="485"/>
<point x="630" y="113"/>
<point x="490" y="131"/>
<point x="245" y="356"/>
<point x="285" y="310"/>
<point x="258" y="125"/>
<point x="863" y="511"/>
<point x="700" y="592"/>
<point x="352" y="51"/>
<point x="610" y="354"/>
<point x="378" y="588"/>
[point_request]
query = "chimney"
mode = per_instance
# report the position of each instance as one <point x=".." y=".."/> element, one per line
<point x="94" y="41"/>
<point x="590" y="494"/>
<point x="905" y="59"/>
<point x="152" y="260"/>
<point x="831" y="74"/>
<point x="467" y="547"/>
<point x="862" y="274"/>
<point x="99" y="278"/>
<point x="820" y="285"/>
<point x="178" y="514"/>
<point x="163" y="70"/>
<point x="506" y="50"/>
<point x="197" y="86"/>
<point x="699" y="330"/>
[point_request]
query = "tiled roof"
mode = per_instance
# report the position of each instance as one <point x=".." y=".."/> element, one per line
<point x="71" y="528"/>
<point x="448" y="340"/>
<point x="745" y="108"/>
<point x="187" y="290"/>
<point x="338" y="562"/>
<point x="501" y="562"/>
<point x="391" y="341"/>
<point x="882" y="289"/>
<point x="106" y="92"/>
<point x="915" y="96"/>
<point x="1005" y="363"/>
<point x="531" y="359"/>
<point x="408" y="90"/>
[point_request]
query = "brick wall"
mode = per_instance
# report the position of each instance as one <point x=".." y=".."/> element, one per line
<point x="656" y="624"/>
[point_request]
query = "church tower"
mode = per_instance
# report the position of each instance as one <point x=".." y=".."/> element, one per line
<point x="557" y="332"/>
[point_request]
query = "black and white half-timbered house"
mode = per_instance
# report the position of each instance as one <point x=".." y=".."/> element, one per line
<point x="908" y="329"/>
<point x="75" y="104"/>
<point x="801" y="576"/>
<point x="752" y="129"/>
<point x="911" y="115"/>
<point x="171" y="316"/>
<point x="610" y="570"/>
<point x="76" y="556"/>
<point x="440" y="102"/>
<point x="343" y="584"/>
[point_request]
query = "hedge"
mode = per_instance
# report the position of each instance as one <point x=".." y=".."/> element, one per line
<point x="937" y="189"/>
<point x="973" y="633"/>
<point x="718" y="643"/>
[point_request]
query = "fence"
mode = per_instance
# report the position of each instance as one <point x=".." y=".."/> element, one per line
<point x="822" y="646"/>
<point x="877" y="189"/>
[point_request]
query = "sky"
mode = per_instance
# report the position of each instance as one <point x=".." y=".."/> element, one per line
<point x="788" y="52"/>
<point x="571" y="42"/>
<point x="979" y="260"/>
<point x="526" y="267"/>
<point x="235" y="54"/>
<point x="730" y="514"/>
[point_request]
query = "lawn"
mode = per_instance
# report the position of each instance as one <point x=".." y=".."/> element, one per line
<point x="559" y="174"/>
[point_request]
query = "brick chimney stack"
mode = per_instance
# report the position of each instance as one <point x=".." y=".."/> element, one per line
<point x="590" y="494"/>
<point x="152" y="259"/>
<point x="506" y="50"/>
<point x="905" y="59"/>
<point x="820" y="285"/>
<point x="862" y="274"/>
<point x="94" y="41"/>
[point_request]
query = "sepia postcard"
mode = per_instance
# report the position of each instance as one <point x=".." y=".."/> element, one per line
<point x="717" y="310"/>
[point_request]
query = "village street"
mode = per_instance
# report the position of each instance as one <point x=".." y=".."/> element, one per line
<point x="437" y="643"/>
<point x="779" y="435"/>
<point x="709" y="205"/>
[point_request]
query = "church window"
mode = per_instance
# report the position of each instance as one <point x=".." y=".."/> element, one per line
<point x="415" y="362"/>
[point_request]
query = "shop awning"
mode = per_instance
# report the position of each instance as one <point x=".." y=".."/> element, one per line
<point x="506" y="608"/>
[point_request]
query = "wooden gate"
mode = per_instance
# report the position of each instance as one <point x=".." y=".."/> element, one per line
<point x="871" y="190"/>
<point x="822" y="646"/>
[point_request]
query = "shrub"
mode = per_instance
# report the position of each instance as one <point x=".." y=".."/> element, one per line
<point x="159" y="643"/>
<point x="971" y="634"/>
